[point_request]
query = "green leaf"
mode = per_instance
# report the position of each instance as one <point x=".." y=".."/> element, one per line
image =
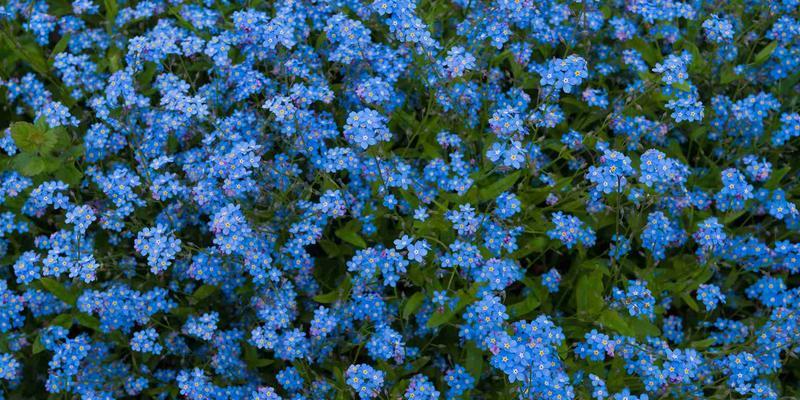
<point x="57" y="289"/>
<point x="41" y="124"/>
<point x="596" y="264"/>
<point x="474" y="361"/>
<point x="732" y="217"/>
<point x="113" y="57"/>
<point x="30" y="138"/>
<point x="642" y="327"/>
<point x="182" y="312"/>
<point x="699" y="133"/>
<point x="589" y="293"/>
<point x="69" y="174"/>
<point x="111" y="11"/>
<point x="682" y="86"/>
<point x="575" y="105"/>
<point x="37" y="345"/>
<point x="501" y="185"/>
<point x="416" y="365"/>
<point x="727" y="75"/>
<point x="52" y="164"/>
<point x="204" y="291"/>
<point x="330" y="248"/>
<point x="75" y="151"/>
<point x="698" y="62"/>
<point x="702" y="344"/>
<point x="29" y="164"/>
<point x="327" y="298"/>
<point x="775" y="178"/>
<point x="649" y="53"/>
<point x="536" y="244"/>
<point x="64" y="320"/>
<point x="320" y="41"/>
<point x="438" y="318"/>
<point x="687" y="298"/>
<point x="261" y="362"/>
<point x="677" y="151"/>
<point x="60" y="46"/>
<point x="251" y="357"/>
<point x="464" y="298"/>
<point x="88" y="321"/>
<point x="614" y="321"/>
<point x="61" y="135"/>
<point x="616" y="374"/>
<point x="764" y="54"/>
<point x="412" y="304"/>
<point x="525" y="306"/>
<point x="416" y="275"/>
<point x="702" y="277"/>
<point x="336" y="294"/>
<point x="349" y="235"/>
<point x="30" y="53"/>
<point x="398" y="389"/>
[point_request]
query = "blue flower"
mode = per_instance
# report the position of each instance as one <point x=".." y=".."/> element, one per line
<point x="710" y="296"/>
<point x="418" y="250"/>
<point x="564" y="73"/>
<point x="365" y="380"/>
<point x="571" y="231"/>
<point x="366" y="128"/>
<point x="718" y="30"/>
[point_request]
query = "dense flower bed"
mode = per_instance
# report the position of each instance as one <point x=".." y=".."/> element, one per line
<point x="335" y="199"/>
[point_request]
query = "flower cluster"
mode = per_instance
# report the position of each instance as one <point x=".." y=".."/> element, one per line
<point x="571" y="231"/>
<point x="365" y="380"/>
<point x="158" y="246"/>
<point x="564" y="74"/>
